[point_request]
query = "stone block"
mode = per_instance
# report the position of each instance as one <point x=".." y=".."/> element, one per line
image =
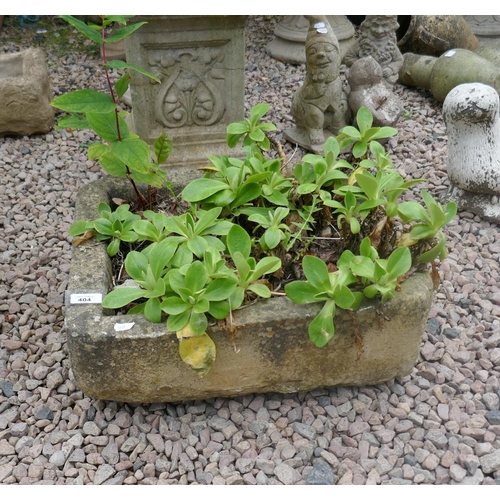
<point x="200" y="61"/>
<point x="25" y="94"/>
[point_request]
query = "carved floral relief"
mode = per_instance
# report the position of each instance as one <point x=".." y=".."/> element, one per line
<point x="192" y="88"/>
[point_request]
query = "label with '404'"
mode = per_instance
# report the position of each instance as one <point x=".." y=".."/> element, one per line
<point x="85" y="298"/>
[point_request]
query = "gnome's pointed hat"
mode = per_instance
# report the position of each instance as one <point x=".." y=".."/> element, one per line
<point x="320" y="31"/>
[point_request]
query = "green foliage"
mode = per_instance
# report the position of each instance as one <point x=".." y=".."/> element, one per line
<point x="204" y="264"/>
<point x="361" y="137"/>
<point x="322" y="286"/>
<point x="121" y="154"/>
<point x="428" y="227"/>
<point x="248" y="270"/>
<point x="251" y="130"/>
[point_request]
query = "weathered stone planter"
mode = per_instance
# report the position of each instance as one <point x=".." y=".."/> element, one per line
<point x="138" y="361"/>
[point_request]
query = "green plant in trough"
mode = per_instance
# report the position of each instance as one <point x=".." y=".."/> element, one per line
<point x="120" y="152"/>
<point x="248" y="230"/>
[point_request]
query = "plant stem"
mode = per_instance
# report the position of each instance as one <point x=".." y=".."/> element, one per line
<point x="141" y="200"/>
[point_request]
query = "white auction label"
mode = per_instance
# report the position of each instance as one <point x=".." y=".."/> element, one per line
<point x="85" y="298"/>
<point x="121" y="327"/>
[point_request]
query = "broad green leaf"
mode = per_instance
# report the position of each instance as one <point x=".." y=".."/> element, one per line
<point x="238" y="240"/>
<point x="316" y="272"/>
<point x="265" y="266"/>
<point x="80" y="227"/>
<point x="84" y="101"/>
<point x="146" y="230"/>
<point x="83" y="28"/>
<point x="220" y="309"/>
<point x="399" y="262"/>
<point x="238" y="128"/>
<point x="96" y="150"/>
<point x="343" y="297"/>
<point x="257" y="135"/>
<point x="352" y="132"/>
<point x="359" y="149"/>
<point x="412" y="211"/>
<point x="219" y="289"/>
<point x="122" y="84"/>
<point x="272" y="237"/>
<point x="136" y="264"/>
<point x="422" y="232"/>
<point x="122" y="296"/>
<point x="364" y="119"/>
<point x="257" y="112"/>
<point x="242" y="266"/>
<point x="236" y="299"/>
<point x="438" y="250"/>
<point x="198" y="323"/>
<point x="321" y="328"/>
<point x="260" y="289"/>
<point x="175" y="305"/>
<point x="384" y="132"/>
<point x="113" y="247"/>
<point x="134" y="152"/>
<point x="197" y="245"/>
<point x="246" y="193"/>
<point x="201" y="306"/>
<point x="206" y="219"/>
<point x="196" y="276"/>
<point x="73" y="121"/>
<point x="301" y="292"/>
<point x="112" y="165"/>
<point x="176" y="322"/>
<point x="200" y="189"/>
<point x="104" y="124"/>
<point x="152" y="310"/>
<point x="362" y="266"/>
<point x="163" y="148"/>
<point x="125" y="65"/>
<point x="152" y="178"/>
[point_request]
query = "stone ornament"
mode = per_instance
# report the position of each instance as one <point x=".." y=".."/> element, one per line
<point x="378" y="39"/>
<point x="321" y="103"/>
<point x="368" y="89"/>
<point x="471" y="114"/>
<point x="25" y="94"/>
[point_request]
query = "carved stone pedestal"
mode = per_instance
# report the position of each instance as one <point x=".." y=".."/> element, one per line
<point x="200" y="61"/>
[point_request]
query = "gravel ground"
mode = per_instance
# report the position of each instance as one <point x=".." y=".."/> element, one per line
<point x="438" y="425"/>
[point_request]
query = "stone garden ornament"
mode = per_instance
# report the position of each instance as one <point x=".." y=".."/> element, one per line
<point x="321" y="103"/>
<point x="378" y="39"/>
<point x="471" y="113"/>
<point x="368" y="89"/>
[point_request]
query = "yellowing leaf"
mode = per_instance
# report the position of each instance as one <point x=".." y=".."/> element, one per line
<point x="198" y="352"/>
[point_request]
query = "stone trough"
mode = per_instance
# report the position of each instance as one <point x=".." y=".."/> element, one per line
<point x="127" y="358"/>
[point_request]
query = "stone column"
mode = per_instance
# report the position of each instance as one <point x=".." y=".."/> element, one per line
<point x="200" y="61"/>
<point x="471" y="114"/>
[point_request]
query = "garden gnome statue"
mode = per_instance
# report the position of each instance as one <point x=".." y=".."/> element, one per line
<point x="378" y="39"/>
<point x="471" y="114"/>
<point x="368" y="89"/>
<point x="320" y="104"/>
